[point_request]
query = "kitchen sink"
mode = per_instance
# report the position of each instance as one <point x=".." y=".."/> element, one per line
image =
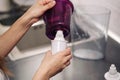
<point x="33" y="42"/>
<point x="36" y="42"/>
<point x="33" y="39"/>
<point x="79" y="69"/>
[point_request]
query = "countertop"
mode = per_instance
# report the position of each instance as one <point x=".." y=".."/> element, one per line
<point x="79" y="69"/>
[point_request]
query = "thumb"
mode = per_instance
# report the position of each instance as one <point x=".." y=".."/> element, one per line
<point x="49" y="53"/>
<point x="49" y="5"/>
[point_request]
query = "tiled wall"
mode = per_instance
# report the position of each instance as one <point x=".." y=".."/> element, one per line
<point x="114" y="6"/>
<point x="115" y="16"/>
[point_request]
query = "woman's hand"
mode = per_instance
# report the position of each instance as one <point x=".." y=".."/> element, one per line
<point x="53" y="64"/>
<point x="34" y="13"/>
<point x="40" y="7"/>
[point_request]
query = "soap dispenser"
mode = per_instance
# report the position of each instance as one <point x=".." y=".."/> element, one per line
<point x="112" y="74"/>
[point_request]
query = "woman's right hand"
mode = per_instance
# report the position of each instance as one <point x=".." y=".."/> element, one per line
<point x="53" y="64"/>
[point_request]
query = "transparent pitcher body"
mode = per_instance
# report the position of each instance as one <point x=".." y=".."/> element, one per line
<point x="89" y="26"/>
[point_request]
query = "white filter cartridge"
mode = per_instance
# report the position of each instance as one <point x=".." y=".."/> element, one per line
<point x="59" y="43"/>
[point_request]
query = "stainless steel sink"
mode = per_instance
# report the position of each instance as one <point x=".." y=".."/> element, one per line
<point x="34" y="42"/>
<point x="29" y="52"/>
<point x="80" y="69"/>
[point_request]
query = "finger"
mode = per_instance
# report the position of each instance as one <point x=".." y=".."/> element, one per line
<point x="68" y="57"/>
<point x="66" y="64"/>
<point x="47" y="1"/>
<point x="49" y="5"/>
<point x="66" y="52"/>
<point x="49" y="53"/>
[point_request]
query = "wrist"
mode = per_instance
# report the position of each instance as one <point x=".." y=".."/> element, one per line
<point x="26" y="21"/>
<point x="41" y="74"/>
<point x="44" y="74"/>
